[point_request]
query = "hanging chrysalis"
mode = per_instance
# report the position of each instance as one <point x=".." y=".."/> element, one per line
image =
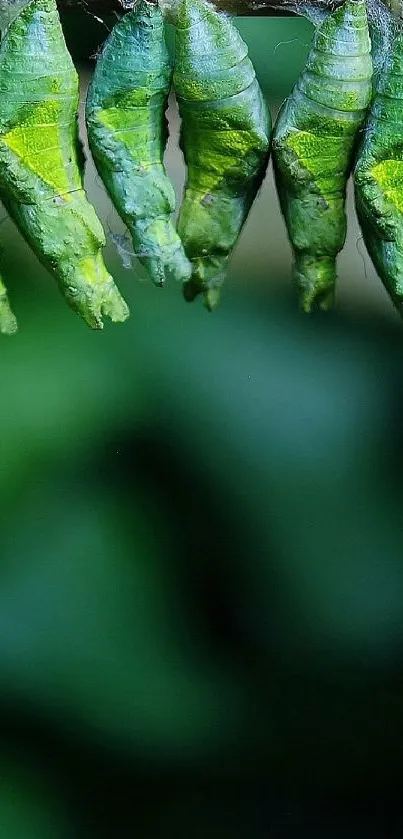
<point x="8" y="323"/>
<point x="313" y="142"/>
<point x="40" y="176"/>
<point x="225" y="137"/>
<point x="379" y="174"/>
<point x="127" y="132"/>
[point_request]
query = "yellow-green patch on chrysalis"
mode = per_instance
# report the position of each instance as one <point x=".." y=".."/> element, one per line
<point x="40" y="168"/>
<point x="313" y="145"/>
<point x="225" y="137"/>
<point x="378" y="174"/>
<point x="127" y="132"/>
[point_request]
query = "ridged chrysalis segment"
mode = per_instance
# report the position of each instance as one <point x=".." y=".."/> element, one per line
<point x="313" y="144"/>
<point x="225" y="137"/>
<point x="8" y="322"/>
<point x="378" y="175"/>
<point x="40" y="174"/>
<point x="127" y="131"/>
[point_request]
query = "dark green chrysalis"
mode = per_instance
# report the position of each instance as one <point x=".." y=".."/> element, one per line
<point x="40" y="176"/>
<point x="127" y="132"/>
<point x="378" y="175"/>
<point x="313" y="144"/>
<point x="225" y="137"/>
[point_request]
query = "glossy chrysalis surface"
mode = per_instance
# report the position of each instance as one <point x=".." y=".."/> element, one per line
<point x="378" y="175"/>
<point x="127" y="132"/>
<point x="313" y="144"/>
<point x="40" y="173"/>
<point x="225" y="137"/>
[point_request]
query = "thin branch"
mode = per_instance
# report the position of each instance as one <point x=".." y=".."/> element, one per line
<point x="260" y="8"/>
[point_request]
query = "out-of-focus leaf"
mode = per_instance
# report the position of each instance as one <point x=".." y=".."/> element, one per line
<point x="91" y="626"/>
<point x="28" y="809"/>
<point x="289" y="419"/>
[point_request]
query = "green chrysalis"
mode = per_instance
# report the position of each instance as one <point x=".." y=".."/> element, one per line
<point x="40" y="177"/>
<point x="378" y="175"/>
<point x="127" y="132"/>
<point x="225" y="137"/>
<point x="313" y="144"/>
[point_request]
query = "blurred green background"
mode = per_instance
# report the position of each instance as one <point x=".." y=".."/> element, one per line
<point x="201" y="590"/>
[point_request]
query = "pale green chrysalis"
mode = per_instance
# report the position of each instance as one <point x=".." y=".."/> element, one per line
<point x="41" y="182"/>
<point x="378" y="174"/>
<point x="313" y="146"/>
<point x="127" y="131"/>
<point x="225" y="137"/>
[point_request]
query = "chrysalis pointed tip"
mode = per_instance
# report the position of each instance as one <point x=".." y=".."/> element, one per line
<point x="92" y="293"/>
<point x="211" y="299"/>
<point x="169" y="268"/>
<point x="155" y="270"/>
<point x="315" y="279"/>
<point x="112" y="305"/>
<point x="8" y="325"/>
<point x="8" y="321"/>
<point x="322" y="300"/>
